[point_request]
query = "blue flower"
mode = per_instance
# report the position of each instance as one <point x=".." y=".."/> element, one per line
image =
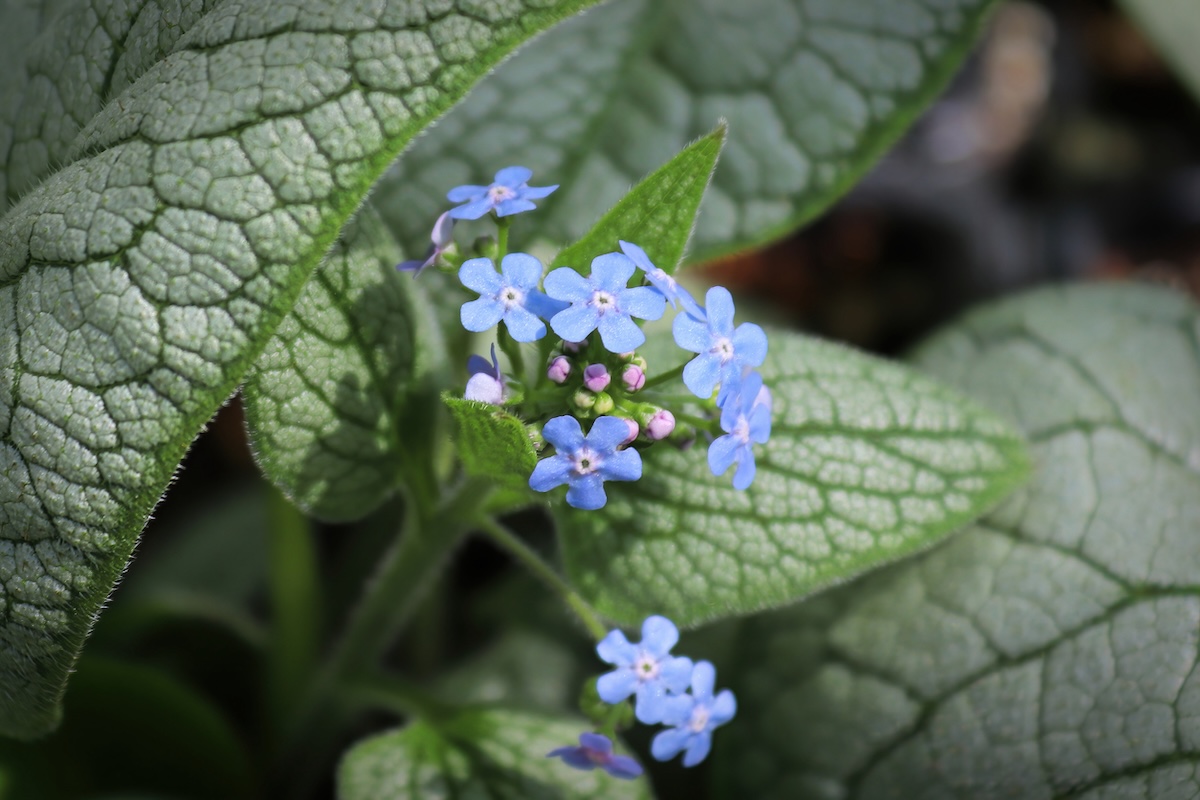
<point x="508" y="194"/>
<point x="603" y="301"/>
<point x="585" y="463"/>
<point x="597" y="751"/>
<point x="692" y="718"/>
<point x="745" y="418"/>
<point x="442" y="237"/>
<point x="723" y="352"/>
<point x="647" y="669"/>
<point x="660" y="280"/>
<point x="512" y="296"/>
<point x="486" y="383"/>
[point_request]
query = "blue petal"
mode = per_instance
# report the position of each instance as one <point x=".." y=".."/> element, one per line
<point x="723" y="708"/>
<point x="637" y="255"/>
<point x="750" y="345"/>
<point x="690" y="305"/>
<point x="479" y="274"/>
<point x="543" y="305"/>
<point x="597" y="743"/>
<point x="760" y="423"/>
<point x="642" y="302"/>
<point x="719" y="305"/>
<point x="506" y="208"/>
<point x="616" y="686"/>
<point x="473" y="210"/>
<point x="704" y="677"/>
<point x="615" y="649"/>
<point x="722" y="453"/>
<point x="537" y="192"/>
<point x="619" y="333"/>
<point x="612" y="271"/>
<point x="623" y="465"/>
<point x="701" y="374"/>
<point x="565" y="283"/>
<point x="477" y="364"/>
<point x="676" y="674"/>
<point x="481" y="315"/>
<point x="564" y="433"/>
<point x="587" y="492"/>
<point x="659" y="635"/>
<point x="623" y="767"/>
<point x="521" y="270"/>
<point x="549" y="473"/>
<point x="576" y="757"/>
<point x="691" y="334"/>
<point x="575" y="323"/>
<point x="607" y="433"/>
<point x="512" y="177"/>
<point x="667" y="744"/>
<point x="678" y="709"/>
<point x="461" y="194"/>
<point x="651" y="703"/>
<point x="524" y="326"/>
<point x="697" y="749"/>
<point x="745" y="471"/>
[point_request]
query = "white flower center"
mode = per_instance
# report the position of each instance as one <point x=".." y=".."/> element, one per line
<point x="659" y="275"/>
<point x="741" y="430"/>
<point x="723" y="349"/>
<point x="646" y="667"/>
<point x="699" y="720"/>
<point x="498" y="194"/>
<point x="586" y="461"/>
<point x="604" y="301"/>
<point x="511" y="297"/>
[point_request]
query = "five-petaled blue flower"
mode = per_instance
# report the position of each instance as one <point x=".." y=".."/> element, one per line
<point x="486" y="383"/>
<point x="511" y="295"/>
<point x="745" y="418"/>
<point x="584" y="463"/>
<point x="597" y="751"/>
<point x="442" y="236"/>
<point x="603" y="301"/>
<point x="647" y="669"/>
<point x="723" y="352"/>
<point x="693" y="717"/>
<point x="508" y="194"/>
<point x="660" y="280"/>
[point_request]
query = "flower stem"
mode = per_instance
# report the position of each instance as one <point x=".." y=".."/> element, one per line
<point x="527" y="556"/>
<point x="669" y="375"/>
<point x="502" y="226"/>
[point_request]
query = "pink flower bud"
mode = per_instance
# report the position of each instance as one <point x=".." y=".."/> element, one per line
<point x="633" y="378"/>
<point x="660" y="425"/>
<point x="633" y="431"/>
<point x="559" y="369"/>
<point x="596" y="377"/>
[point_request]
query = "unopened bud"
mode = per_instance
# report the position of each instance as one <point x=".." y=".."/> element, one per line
<point x="583" y="400"/>
<point x="559" y="369"/>
<point x="634" y="378"/>
<point x="639" y="362"/>
<point x="660" y="425"/>
<point x="484" y="388"/>
<point x="604" y="403"/>
<point x="535" y="436"/>
<point x="633" y="431"/>
<point x="596" y="377"/>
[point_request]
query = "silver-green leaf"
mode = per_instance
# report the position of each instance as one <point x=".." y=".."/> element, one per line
<point x="486" y="753"/>
<point x="140" y="280"/>
<point x="1049" y="651"/>
<point x="1174" y="26"/>
<point x="814" y="91"/>
<point x="867" y="461"/>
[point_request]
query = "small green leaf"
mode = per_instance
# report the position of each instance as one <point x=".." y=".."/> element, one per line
<point x="815" y="92"/>
<point x="491" y="442"/>
<point x="338" y="401"/>
<point x="1051" y="649"/>
<point x="867" y="462"/>
<point x="489" y="753"/>
<point x="1174" y="26"/>
<point x="659" y="214"/>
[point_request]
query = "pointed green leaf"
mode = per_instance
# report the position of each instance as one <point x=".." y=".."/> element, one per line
<point x="815" y="92"/>
<point x="1174" y="26"/>
<point x="491" y="442"/>
<point x="659" y="214"/>
<point x="867" y="462"/>
<point x="338" y="401"/>
<point x="140" y="280"/>
<point x="495" y="754"/>
<point x="1050" y="650"/>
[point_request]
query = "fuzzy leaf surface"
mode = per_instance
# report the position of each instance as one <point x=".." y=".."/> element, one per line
<point x="1050" y="651"/>
<point x="491" y="442"/>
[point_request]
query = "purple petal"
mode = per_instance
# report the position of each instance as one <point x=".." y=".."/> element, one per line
<point x="642" y="302"/>
<point x="618" y="333"/>
<point x="473" y="210"/>
<point x="719" y="304"/>
<point x="417" y="266"/>
<point x="479" y="275"/>
<point x="477" y="364"/>
<point x="623" y="465"/>
<point x="506" y="208"/>
<point x="616" y="686"/>
<point x="564" y="433"/>
<point x="612" y="271"/>
<point x="615" y="649"/>
<point x="607" y="433"/>
<point x="537" y="192"/>
<point x="485" y="389"/>
<point x="575" y="323"/>
<point x="701" y="374"/>
<point x="623" y="767"/>
<point x="513" y="177"/>
<point x="722" y="453"/>
<point x="596" y="742"/>
<point x="691" y="334"/>
<point x="576" y="757"/>
<point x="659" y="635"/>
<point x="676" y="673"/>
<point x="587" y="492"/>
<point x="745" y="471"/>
<point x="524" y="326"/>
<point x="550" y="473"/>
<point x="565" y="283"/>
<point x="461" y="194"/>
<point x="637" y="255"/>
<point x="521" y="270"/>
<point x="704" y="675"/>
<point x="723" y="708"/>
<point x="667" y="744"/>
<point x="697" y="749"/>
<point x="443" y="230"/>
<point x="480" y="315"/>
<point x="750" y="344"/>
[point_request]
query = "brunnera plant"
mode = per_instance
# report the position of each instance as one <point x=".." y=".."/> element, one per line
<point x="201" y="197"/>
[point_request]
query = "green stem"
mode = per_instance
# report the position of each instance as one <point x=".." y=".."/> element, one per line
<point x="669" y="375"/>
<point x="512" y="348"/>
<point x="502" y="226"/>
<point x="710" y="425"/>
<point x="527" y="556"/>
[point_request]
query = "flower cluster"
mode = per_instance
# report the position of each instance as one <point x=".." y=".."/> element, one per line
<point x="593" y="373"/>
<point x="668" y="690"/>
